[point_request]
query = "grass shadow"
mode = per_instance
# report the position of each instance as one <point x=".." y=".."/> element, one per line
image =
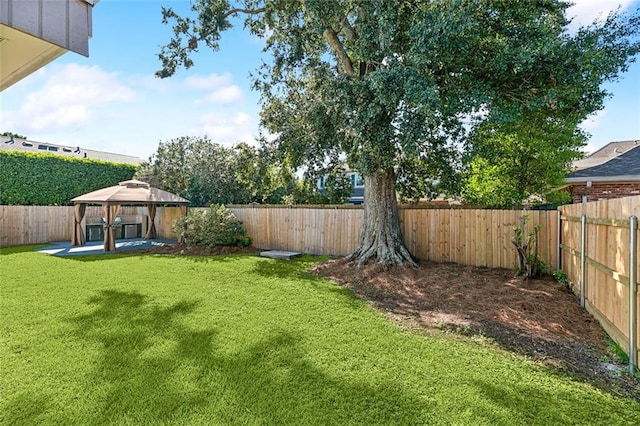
<point x="151" y="368"/>
<point x="525" y="402"/>
<point x="135" y="378"/>
<point x="25" y="408"/>
<point x="297" y="269"/>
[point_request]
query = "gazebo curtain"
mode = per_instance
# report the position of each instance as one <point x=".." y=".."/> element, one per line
<point x="110" y="212"/>
<point x="77" y="239"/>
<point x="151" y="228"/>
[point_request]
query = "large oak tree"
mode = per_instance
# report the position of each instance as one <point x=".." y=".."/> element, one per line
<point x="388" y="84"/>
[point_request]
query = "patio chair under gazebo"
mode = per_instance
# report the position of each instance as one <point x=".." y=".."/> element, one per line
<point x="130" y="192"/>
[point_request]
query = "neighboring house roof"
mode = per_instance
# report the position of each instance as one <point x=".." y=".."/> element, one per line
<point x="616" y="167"/>
<point x="606" y="153"/>
<point x="24" y="145"/>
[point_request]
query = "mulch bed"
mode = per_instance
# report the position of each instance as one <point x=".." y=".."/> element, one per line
<point x="193" y="250"/>
<point x="538" y="318"/>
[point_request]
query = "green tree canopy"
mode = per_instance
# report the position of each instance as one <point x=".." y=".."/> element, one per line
<point x="385" y="84"/>
<point x="197" y="169"/>
<point x="510" y="163"/>
<point x="208" y="173"/>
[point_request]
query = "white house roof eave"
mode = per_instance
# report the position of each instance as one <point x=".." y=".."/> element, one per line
<point x="601" y="179"/>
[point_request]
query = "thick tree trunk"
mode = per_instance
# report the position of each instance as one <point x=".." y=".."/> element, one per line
<point x="381" y="236"/>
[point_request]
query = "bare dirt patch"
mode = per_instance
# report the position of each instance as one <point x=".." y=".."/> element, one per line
<point x="540" y="318"/>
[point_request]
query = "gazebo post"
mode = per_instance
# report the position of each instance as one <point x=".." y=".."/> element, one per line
<point x="111" y="211"/>
<point x="151" y="227"/>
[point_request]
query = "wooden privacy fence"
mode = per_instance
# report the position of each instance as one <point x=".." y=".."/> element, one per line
<point x="470" y="237"/>
<point x="604" y="271"/>
<point x="476" y="237"/>
<point x="318" y="230"/>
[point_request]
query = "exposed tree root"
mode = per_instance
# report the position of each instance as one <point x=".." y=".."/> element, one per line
<point x="395" y="254"/>
<point x="381" y="236"/>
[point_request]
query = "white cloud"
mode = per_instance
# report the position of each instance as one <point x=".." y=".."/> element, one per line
<point x="585" y="12"/>
<point x="593" y="121"/>
<point x="590" y="124"/>
<point x="62" y="117"/>
<point x="220" y="88"/>
<point x="227" y="129"/>
<point x="212" y="81"/>
<point x="69" y="97"/>
<point x="223" y="96"/>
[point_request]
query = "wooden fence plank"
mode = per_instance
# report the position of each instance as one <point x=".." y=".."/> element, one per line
<point x="607" y="252"/>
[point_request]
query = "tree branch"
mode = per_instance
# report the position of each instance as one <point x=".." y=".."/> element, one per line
<point x="346" y="28"/>
<point x="338" y="50"/>
<point x="247" y="11"/>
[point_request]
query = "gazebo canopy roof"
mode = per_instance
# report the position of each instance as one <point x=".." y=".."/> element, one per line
<point x="130" y="192"/>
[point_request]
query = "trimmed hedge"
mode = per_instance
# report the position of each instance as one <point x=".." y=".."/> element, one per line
<point x="51" y="180"/>
<point x="216" y="227"/>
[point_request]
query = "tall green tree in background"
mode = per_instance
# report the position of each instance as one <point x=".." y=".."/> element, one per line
<point x="510" y="163"/>
<point x="260" y="173"/>
<point x="168" y="167"/>
<point x="208" y="173"/>
<point x="386" y="83"/>
<point x="197" y="169"/>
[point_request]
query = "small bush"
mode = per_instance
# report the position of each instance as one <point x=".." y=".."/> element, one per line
<point x="562" y="278"/>
<point x="530" y="264"/>
<point x="618" y="354"/>
<point x="212" y="228"/>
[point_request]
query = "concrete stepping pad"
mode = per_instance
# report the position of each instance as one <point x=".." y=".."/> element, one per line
<point x="278" y="254"/>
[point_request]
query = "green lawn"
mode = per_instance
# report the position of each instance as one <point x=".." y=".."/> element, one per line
<point x="142" y="339"/>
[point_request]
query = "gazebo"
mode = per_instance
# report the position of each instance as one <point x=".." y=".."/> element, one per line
<point x="130" y="192"/>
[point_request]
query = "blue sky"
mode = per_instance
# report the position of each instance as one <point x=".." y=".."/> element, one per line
<point x="112" y="102"/>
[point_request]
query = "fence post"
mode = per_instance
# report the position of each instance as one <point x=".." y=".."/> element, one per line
<point x="633" y="313"/>
<point x="583" y="256"/>
<point x="559" y="238"/>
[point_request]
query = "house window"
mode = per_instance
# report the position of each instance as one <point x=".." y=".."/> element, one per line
<point x="322" y="182"/>
<point x="53" y="148"/>
<point x="43" y="147"/>
<point x="356" y="181"/>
